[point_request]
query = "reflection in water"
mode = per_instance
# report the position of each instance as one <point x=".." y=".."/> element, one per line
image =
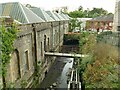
<point x="57" y="73"/>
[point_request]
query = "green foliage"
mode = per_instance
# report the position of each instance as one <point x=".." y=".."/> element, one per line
<point x="71" y="37"/>
<point x="83" y="63"/>
<point x="23" y="83"/>
<point x="95" y="12"/>
<point x="11" y="85"/>
<point x="103" y="72"/>
<point x="100" y="68"/>
<point x="87" y="42"/>
<point x="76" y="14"/>
<point x="8" y="36"/>
<point x="73" y="24"/>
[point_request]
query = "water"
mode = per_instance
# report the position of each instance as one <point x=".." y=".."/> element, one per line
<point x="63" y="77"/>
<point x="58" y="73"/>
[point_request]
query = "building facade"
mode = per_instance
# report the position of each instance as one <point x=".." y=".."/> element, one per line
<point x="28" y="65"/>
<point x="100" y="23"/>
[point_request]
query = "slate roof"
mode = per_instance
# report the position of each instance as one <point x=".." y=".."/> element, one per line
<point x="64" y="16"/>
<point x="41" y="13"/>
<point x="103" y="18"/>
<point x="51" y="14"/>
<point x="19" y="12"/>
<point x="59" y="16"/>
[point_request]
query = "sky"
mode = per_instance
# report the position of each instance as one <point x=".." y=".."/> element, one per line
<point x="108" y="5"/>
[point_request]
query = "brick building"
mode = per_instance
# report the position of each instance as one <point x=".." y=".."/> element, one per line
<point x="100" y="23"/>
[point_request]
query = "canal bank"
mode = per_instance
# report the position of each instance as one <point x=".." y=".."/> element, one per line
<point x="57" y="75"/>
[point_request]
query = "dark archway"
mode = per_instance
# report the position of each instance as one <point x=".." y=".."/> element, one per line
<point x="18" y="63"/>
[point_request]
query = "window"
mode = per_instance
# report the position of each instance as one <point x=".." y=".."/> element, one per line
<point x="18" y="63"/>
<point x="41" y="49"/>
<point x="27" y="60"/>
<point x="48" y="43"/>
<point x="118" y="28"/>
<point x="44" y="42"/>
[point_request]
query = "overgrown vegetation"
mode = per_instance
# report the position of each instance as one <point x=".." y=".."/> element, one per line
<point x="73" y="24"/>
<point x="100" y="69"/>
<point x="8" y="35"/>
<point x="71" y="37"/>
<point x="103" y="71"/>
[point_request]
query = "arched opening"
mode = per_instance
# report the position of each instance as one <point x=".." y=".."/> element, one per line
<point x="18" y="63"/>
<point x="44" y="42"/>
<point x="46" y="73"/>
<point x="27" y="60"/>
<point x="41" y="50"/>
<point x="48" y="44"/>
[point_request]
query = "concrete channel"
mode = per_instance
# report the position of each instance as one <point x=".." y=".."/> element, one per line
<point x="58" y="78"/>
<point x="57" y="75"/>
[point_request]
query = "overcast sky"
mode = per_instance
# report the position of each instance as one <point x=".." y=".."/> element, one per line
<point x="71" y="4"/>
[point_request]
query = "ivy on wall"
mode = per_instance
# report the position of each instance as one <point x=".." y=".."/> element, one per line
<point x="8" y="35"/>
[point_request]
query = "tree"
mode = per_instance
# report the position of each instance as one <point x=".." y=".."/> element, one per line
<point x="73" y="24"/>
<point x="80" y="8"/>
<point x="76" y="14"/>
<point x="95" y="12"/>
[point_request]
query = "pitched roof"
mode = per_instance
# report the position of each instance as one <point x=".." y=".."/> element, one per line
<point x="67" y="16"/>
<point x="103" y="18"/>
<point x="19" y="12"/>
<point x="51" y="14"/>
<point x="59" y="16"/>
<point x="41" y="13"/>
<point x="64" y="16"/>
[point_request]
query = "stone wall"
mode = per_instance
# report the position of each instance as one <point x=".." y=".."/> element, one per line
<point x="116" y="24"/>
<point x="28" y="60"/>
<point x="111" y="38"/>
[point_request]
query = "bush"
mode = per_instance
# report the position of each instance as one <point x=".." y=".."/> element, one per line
<point x="103" y="72"/>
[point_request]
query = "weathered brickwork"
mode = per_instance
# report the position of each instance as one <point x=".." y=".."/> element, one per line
<point x="31" y="43"/>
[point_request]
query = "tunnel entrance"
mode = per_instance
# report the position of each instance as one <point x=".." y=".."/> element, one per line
<point x="70" y="43"/>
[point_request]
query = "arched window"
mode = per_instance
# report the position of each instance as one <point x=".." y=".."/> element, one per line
<point x="44" y="42"/>
<point x="17" y="63"/>
<point x="41" y="49"/>
<point x="27" y="60"/>
<point x="48" y="44"/>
